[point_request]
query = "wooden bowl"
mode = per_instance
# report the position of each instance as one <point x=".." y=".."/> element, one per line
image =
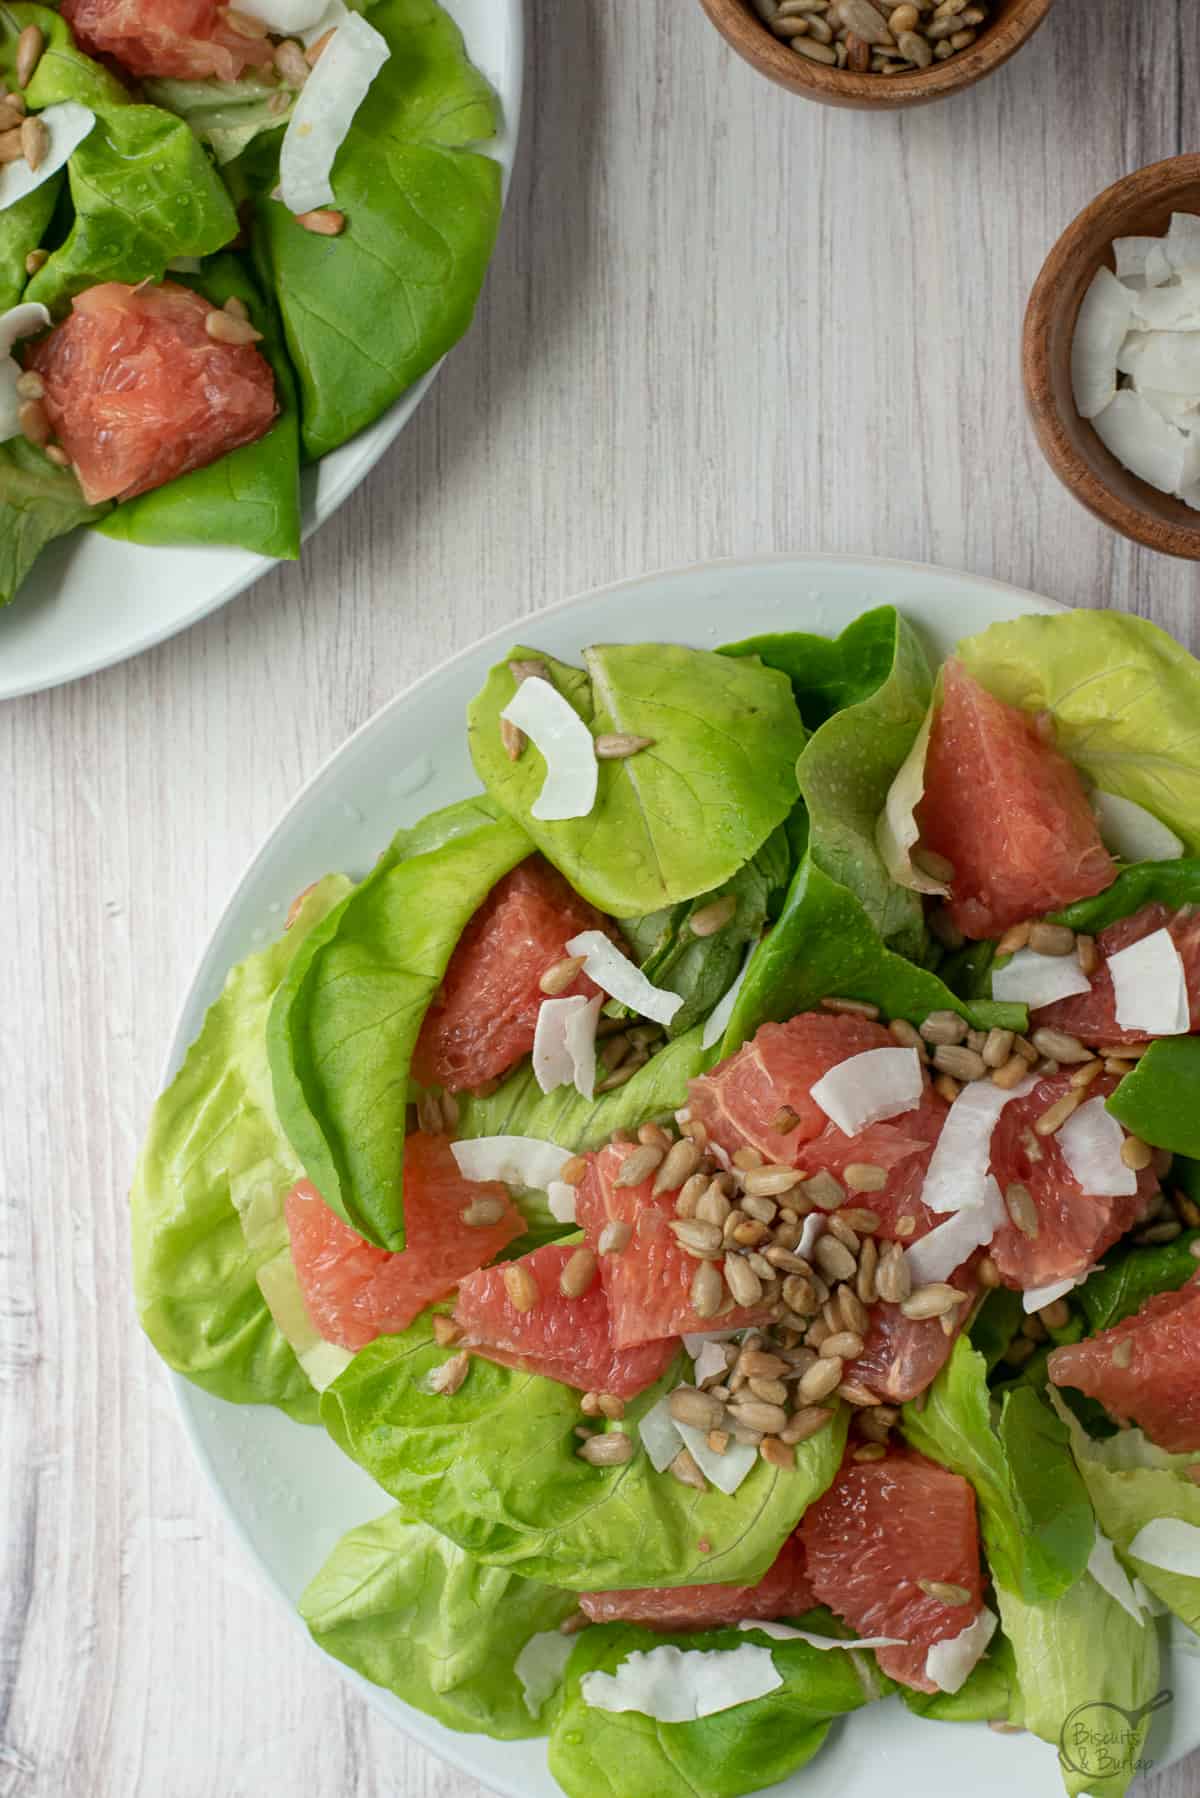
<point x="1139" y="205"/>
<point x="1012" y="22"/>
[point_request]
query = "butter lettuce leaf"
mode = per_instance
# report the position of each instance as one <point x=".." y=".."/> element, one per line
<point x="1131" y="1275"/>
<point x="991" y="1694"/>
<point x="214" y="1152"/>
<point x="63" y="71"/>
<point x="38" y="502"/>
<point x="496" y="1469"/>
<point x="400" y="1604"/>
<point x="605" y="1754"/>
<point x="682" y="817"/>
<point x="1160" y="1100"/>
<point x="1173" y="884"/>
<point x="226" y="115"/>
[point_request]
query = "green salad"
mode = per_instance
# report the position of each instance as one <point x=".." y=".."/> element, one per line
<point x="230" y="239"/>
<point x="733" y="1182"/>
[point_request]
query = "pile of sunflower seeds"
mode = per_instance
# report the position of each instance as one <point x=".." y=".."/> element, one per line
<point x="875" y="38"/>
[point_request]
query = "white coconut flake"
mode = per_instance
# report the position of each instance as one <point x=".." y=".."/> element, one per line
<point x="334" y="13"/>
<point x="1150" y="987"/>
<point x="581" y="1045"/>
<point x="717" y="1021"/>
<point x="866" y="1088"/>
<point x="726" y="1472"/>
<point x="1169" y="359"/>
<point x="516" y="1160"/>
<point x="1174" y="308"/>
<point x="1169" y="1543"/>
<point x="1131" y="832"/>
<point x="1112" y="1578"/>
<point x="286" y="18"/>
<point x="324" y="112"/>
<point x="950" y="1664"/>
<point x="1180" y="410"/>
<point x="1130" y="254"/>
<point x="1141" y="439"/>
<point x="1159" y="269"/>
<point x="787" y="1632"/>
<point x="660" y="1435"/>
<point x="936" y="1256"/>
<point x="710" y="1361"/>
<point x="68" y="123"/>
<point x="1035" y="980"/>
<point x="1100" y="331"/>
<point x="897" y="832"/>
<point x="560" y="1197"/>
<point x="616" y="975"/>
<point x="1091" y="1142"/>
<point x="678" y="1685"/>
<point x="956" y="1178"/>
<point x="1182" y="242"/>
<point x="695" y="1340"/>
<point x="19" y="321"/>
<point x="1036" y="1298"/>
<point x="813" y="1226"/>
<point x="540" y="1667"/>
<point x="564" y="1044"/>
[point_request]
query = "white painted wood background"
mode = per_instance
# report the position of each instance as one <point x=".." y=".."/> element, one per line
<point x="720" y="321"/>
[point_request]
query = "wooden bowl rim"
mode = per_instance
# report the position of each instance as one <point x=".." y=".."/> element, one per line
<point x="745" y="32"/>
<point x="1144" y="524"/>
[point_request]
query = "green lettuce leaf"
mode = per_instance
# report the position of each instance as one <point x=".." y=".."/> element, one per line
<point x="997" y="1321"/>
<point x="1034" y="1513"/>
<point x="422" y="207"/>
<point x="1125" y="698"/>
<point x="63" y="71"/>
<point x="1160" y="1100"/>
<point x="226" y="115"/>
<point x="991" y="1694"/>
<point x="251" y="497"/>
<point x="1131" y="1275"/>
<point x="605" y="1754"/>
<point x="408" y="1610"/>
<point x="214" y="1151"/>
<point x="38" y="503"/>
<point x="680" y="818"/>
<point x="495" y="1469"/>
<point x="23" y="227"/>
<point x="1171" y="883"/>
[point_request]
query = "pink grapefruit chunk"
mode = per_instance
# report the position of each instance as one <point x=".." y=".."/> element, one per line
<point x="648" y="1282"/>
<point x="1093" y="1016"/>
<point x="484" y="1018"/>
<point x="1073" y="1227"/>
<point x="1145" y="1370"/>
<point x="185" y="39"/>
<point x="783" y="1591"/>
<point x="1007" y="810"/>
<point x="882" y="1528"/>
<point x="566" y="1339"/>
<point x="903" y="1355"/>
<point x="355" y="1291"/>
<point x="137" y="392"/>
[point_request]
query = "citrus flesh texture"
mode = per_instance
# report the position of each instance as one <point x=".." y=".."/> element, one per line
<point x="354" y="1291"/>
<point x="881" y="1529"/>
<point x="185" y="39"/>
<point x="783" y="1591"/>
<point x="566" y="1339"/>
<point x="1007" y="811"/>
<point x="1074" y="1227"/>
<point x="1145" y="1370"/>
<point x="137" y="392"/>
<point x="648" y="1282"/>
<point x="484" y="1017"/>
<point x="1092" y="1016"/>
<point x="903" y="1355"/>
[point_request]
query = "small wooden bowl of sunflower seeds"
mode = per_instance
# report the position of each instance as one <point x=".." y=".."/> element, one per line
<point x="876" y="53"/>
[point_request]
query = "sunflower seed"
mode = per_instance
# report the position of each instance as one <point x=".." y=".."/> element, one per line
<point x="753" y="1414"/>
<point x="713" y="917"/>
<point x="688" y="1405"/>
<point x="560" y="975"/>
<point x="1011" y="1073"/>
<point x="34" y="421"/>
<point x="578" y="1274"/>
<point x="325" y="221"/>
<point x="834" y="1258"/>
<point x="615" y="1237"/>
<point x="934" y="1300"/>
<point x="447" y="1378"/>
<point x="616" y="746"/>
<point x="30" y="45"/>
<point x="771" y="1392"/>
<point x="1159" y="1233"/>
<point x="685" y="1470"/>
<point x="854" y="1008"/>
<point x="429" y="1113"/>
<point x="785" y="1121"/>
<point x="868" y="1262"/>
<point x="1056" y="1116"/>
<point x="805" y="1423"/>
<point x="961" y="1063"/>
<point x="482" y="1212"/>
<point x="522" y="1289"/>
<point x="944" y="1028"/>
<point x="944" y="1591"/>
<point x="718" y="1441"/>
<point x="707" y="1290"/>
<point x="853" y="1311"/>
<point x="813" y="51"/>
<point x="799" y="1295"/>
<point x="776" y="1452"/>
<point x="988" y="1273"/>
<point x="613" y="1448"/>
<point x="573" y="1171"/>
<point x="291" y="62"/>
<point x="843" y="1345"/>
<point x="742" y="1281"/>
<point x="679" y="1164"/>
<point x="1089" y="1071"/>
<point x="1135" y="1153"/>
<point x="623" y="1074"/>
<point x="512" y="739"/>
<point x="864" y="1176"/>
<point x="821" y="1379"/>
<point x="35" y="260"/>
<point x="1059" y="1046"/>
<point x="824" y="1191"/>
<point x="1089" y="955"/>
<point x="696" y="1237"/>
<point x="445" y="1331"/>
<point x="1051" y="939"/>
<point x="638" y="1167"/>
<point x="839" y="1228"/>
<point x="912" y="45"/>
<point x="893" y="1280"/>
<point x="1056" y="1315"/>
<point x="1014" y="938"/>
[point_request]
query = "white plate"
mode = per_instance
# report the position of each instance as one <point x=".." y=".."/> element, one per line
<point x="288" y="1491"/>
<point x="91" y="601"/>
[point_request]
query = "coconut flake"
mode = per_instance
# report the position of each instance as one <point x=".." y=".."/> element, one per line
<point x="1035" y="980"/>
<point x="787" y="1632"/>
<point x="957" y="1175"/>
<point x="1091" y="1142"/>
<point x="1169" y="359"/>
<point x="17" y="322"/>
<point x="68" y="124"/>
<point x="695" y="1340"/>
<point x="813" y="1226"/>
<point x="1140" y="438"/>
<point x="565" y="743"/>
<point x="717" y="1021"/>
<point x="1100" y="331"/>
<point x="1131" y="832"/>
<point x="660" y="1435"/>
<point x="516" y="1160"/>
<point x="936" y="1256"/>
<point x="540" y="1667"/>
<point x="678" y="1685"/>
<point x="1174" y="308"/>
<point x="333" y="15"/>
<point x="581" y="1045"/>
<point x="324" y="112"/>
<point x="560" y="1197"/>
<point x="286" y="18"/>
<point x="866" y="1088"/>
<point x="1130" y="255"/>
<point x="950" y="1664"/>
<point x="1169" y="1543"/>
<point x="897" y="832"/>
<point x="1180" y="410"/>
<point x="564" y="1044"/>
<point x="1112" y="1578"/>
<point x="1158" y="267"/>
<point x="710" y="1361"/>
<point x="1182" y="242"/>
<point x="1150" y="987"/>
<point x="726" y="1472"/>
<point x="616" y="975"/>
<point x="1036" y="1298"/>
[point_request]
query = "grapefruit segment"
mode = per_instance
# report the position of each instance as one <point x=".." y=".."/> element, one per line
<point x="137" y="392"/>
<point x="1007" y="810"/>
<point x="882" y="1528"/>
<point x="566" y="1339"/>
<point x="354" y="1291"/>
<point x="783" y="1591"/>
<point x="1145" y="1370"/>
<point x="484" y="1018"/>
<point x="903" y="1355"/>
<point x="184" y="39"/>
<point x="1093" y="1016"/>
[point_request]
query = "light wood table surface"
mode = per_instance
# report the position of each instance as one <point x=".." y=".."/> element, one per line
<point x="720" y="321"/>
